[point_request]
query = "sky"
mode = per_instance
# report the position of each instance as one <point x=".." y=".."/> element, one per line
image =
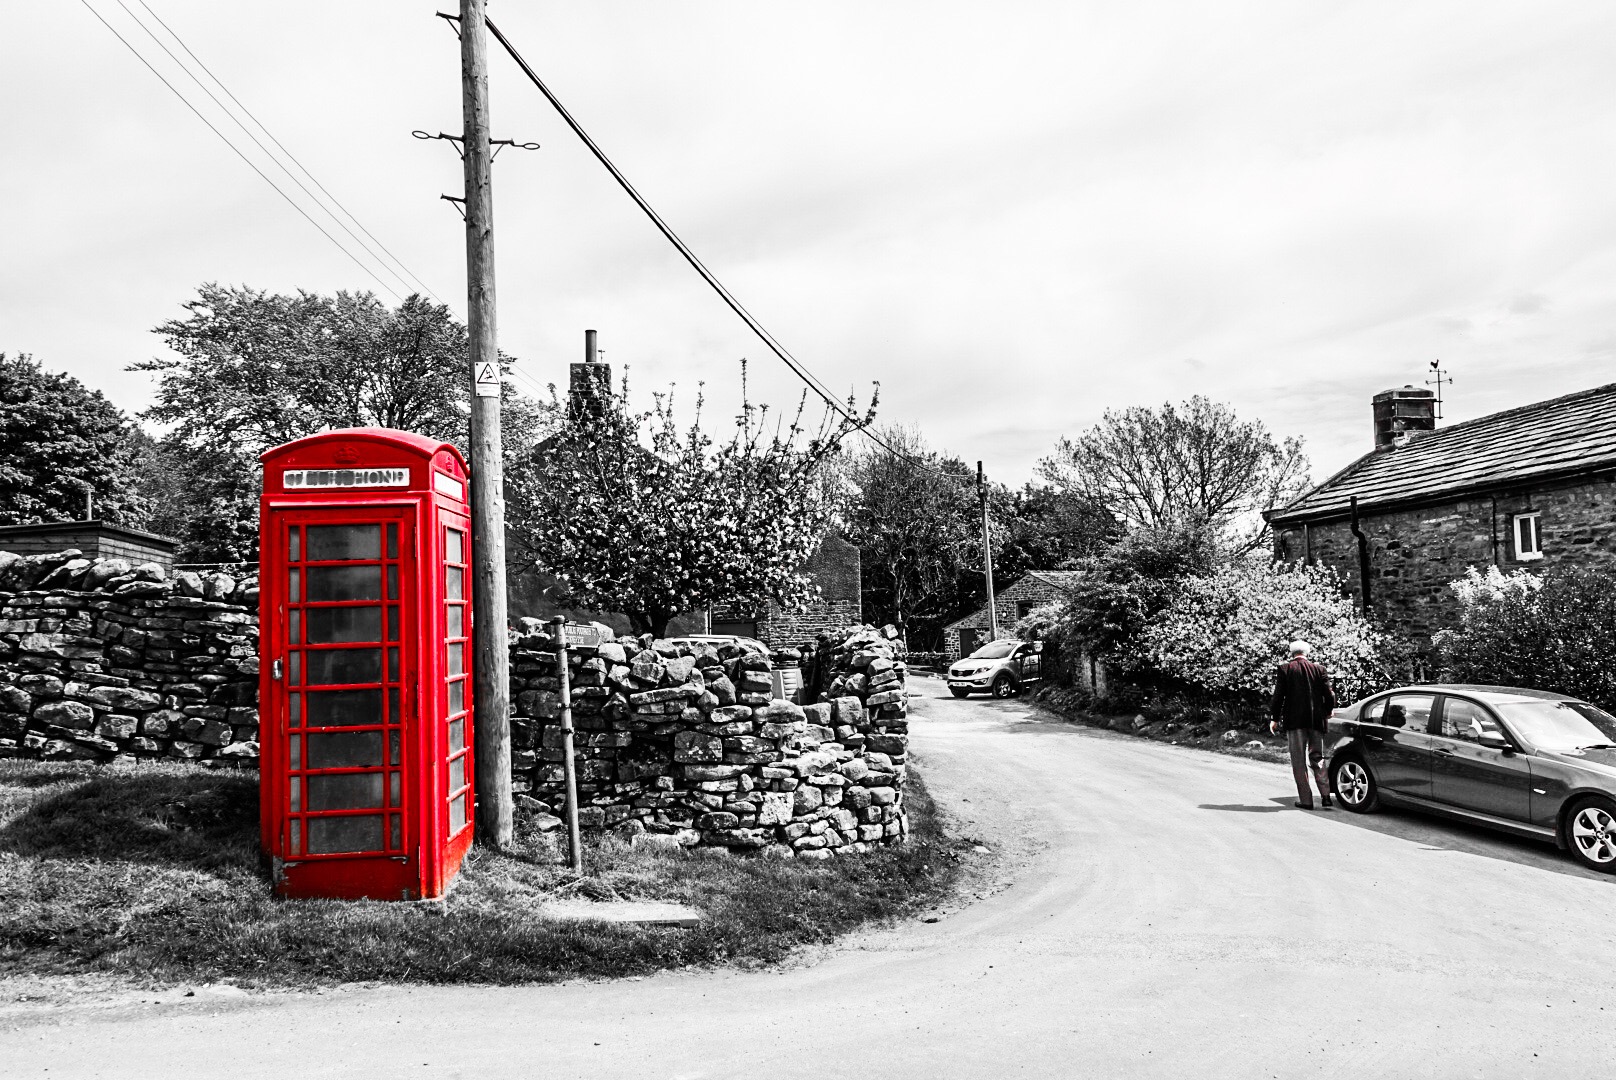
<point x="1013" y="216"/>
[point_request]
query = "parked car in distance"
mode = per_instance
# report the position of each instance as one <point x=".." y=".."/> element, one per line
<point x="1527" y="762"/>
<point x="1000" y="667"/>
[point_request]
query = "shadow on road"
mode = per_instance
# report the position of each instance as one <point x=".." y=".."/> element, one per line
<point x="1435" y="833"/>
<point x="1241" y="807"/>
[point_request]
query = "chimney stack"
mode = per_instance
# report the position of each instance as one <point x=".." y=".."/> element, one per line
<point x="1402" y="412"/>
<point x="591" y="384"/>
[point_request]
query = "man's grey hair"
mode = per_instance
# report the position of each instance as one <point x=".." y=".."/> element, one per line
<point x="1300" y="648"/>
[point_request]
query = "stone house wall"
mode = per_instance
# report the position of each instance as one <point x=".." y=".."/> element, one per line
<point x="1011" y="603"/>
<point x="836" y="568"/>
<point x="1415" y="552"/>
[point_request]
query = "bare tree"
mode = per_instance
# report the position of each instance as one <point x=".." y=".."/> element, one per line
<point x="1194" y="464"/>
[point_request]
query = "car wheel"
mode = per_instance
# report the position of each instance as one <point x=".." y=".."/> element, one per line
<point x="1004" y="686"/>
<point x="1354" y="785"/>
<point x="1591" y="834"/>
<point x="957" y="692"/>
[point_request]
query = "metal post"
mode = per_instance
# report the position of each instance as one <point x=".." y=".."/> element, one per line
<point x="491" y="648"/>
<point x="569" y="768"/>
<point x="987" y="554"/>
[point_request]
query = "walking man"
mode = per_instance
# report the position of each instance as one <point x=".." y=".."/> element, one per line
<point x="1302" y="704"/>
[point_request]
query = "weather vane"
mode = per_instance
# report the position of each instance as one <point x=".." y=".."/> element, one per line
<point x="1440" y="378"/>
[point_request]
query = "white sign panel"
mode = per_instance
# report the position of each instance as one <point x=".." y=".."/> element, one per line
<point x="487" y="381"/>
<point x="305" y="479"/>
<point x="445" y="484"/>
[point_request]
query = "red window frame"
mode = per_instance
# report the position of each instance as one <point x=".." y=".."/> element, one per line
<point x="458" y="759"/>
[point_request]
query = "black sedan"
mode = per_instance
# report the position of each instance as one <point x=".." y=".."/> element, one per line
<point x="1531" y="763"/>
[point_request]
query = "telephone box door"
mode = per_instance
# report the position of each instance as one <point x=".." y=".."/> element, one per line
<point x="344" y="619"/>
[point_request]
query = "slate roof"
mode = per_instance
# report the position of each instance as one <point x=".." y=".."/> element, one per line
<point x="1564" y="435"/>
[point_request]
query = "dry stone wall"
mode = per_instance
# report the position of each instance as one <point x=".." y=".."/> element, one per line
<point x="682" y="745"/>
<point x="104" y="658"/>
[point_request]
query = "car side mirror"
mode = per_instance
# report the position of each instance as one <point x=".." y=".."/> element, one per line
<point x="1494" y="740"/>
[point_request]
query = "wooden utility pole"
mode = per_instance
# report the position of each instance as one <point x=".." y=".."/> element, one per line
<point x="987" y="554"/>
<point x="569" y="764"/>
<point x="490" y="646"/>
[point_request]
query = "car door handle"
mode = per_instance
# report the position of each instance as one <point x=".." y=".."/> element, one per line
<point x="1444" y="750"/>
<point x="1376" y="739"/>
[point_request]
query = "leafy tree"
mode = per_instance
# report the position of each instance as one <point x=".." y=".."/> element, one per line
<point x="1553" y="632"/>
<point x="914" y="515"/>
<point x="254" y="369"/>
<point x="58" y="440"/>
<point x="1224" y="633"/>
<point x="632" y="514"/>
<point x="1194" y="464"/>
<point x="1130" y="584"/>
<point x="1042" y="527"/>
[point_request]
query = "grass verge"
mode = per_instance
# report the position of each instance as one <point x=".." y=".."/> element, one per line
<point x="152" y="873"/>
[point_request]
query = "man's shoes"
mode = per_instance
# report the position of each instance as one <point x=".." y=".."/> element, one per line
<point x="1328" y="803"/>
<point x="1304" y="805"/>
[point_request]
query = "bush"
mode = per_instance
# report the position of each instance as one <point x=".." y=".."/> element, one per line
<point x="1224" y="633"/>
<point x="1555" y="632"/>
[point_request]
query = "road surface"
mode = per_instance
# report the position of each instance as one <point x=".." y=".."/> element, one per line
<point x="1168" y="915"/>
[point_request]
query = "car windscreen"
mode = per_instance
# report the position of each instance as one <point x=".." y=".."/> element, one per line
<point x="996" y="650"/>
<point x="1559" y="725"/>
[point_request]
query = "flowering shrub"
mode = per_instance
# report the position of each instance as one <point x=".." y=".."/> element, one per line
<point x="1554" y="632"/>
<point x="1224" y="633"/>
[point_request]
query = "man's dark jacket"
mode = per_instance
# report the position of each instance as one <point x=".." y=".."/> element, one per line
<point x="1302" y="696"/>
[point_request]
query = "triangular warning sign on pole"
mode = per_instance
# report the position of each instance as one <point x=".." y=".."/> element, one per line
<point x="488" y="380"/>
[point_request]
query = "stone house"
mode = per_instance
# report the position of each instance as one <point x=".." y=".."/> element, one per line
<point x="1530" y="487"/>
<point x="1033" y="589"/>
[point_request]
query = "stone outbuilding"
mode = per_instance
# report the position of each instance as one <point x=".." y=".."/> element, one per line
<point x="1033" y="589"/>
<point x="1531" y="487"/>
<point x="94" y="539"/>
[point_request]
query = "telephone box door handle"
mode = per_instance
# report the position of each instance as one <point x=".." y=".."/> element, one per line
<point x="275" y="671"/>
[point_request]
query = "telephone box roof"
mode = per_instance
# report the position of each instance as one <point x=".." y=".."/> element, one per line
<point x="424" y="445"/>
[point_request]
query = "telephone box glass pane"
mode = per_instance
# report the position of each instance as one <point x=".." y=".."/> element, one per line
<point x="397" y="830"/>
<point x="297" y="794"/>
<point x="457" y="814"/>
<point x="454" y="546"/>
<point x="345" y="791"/>
<point x="456" y="621"/>
<point x="297" y="626"/>
<point x="344" y="750"/>
<point x="457" y="734"/>
<point x="296" y="754"/>
<point x="457" y="658"/>
<point x="454" y="583"/>
<point x="295" y="710"/>
<point x="345" y="708"/>
<point x="330" y="542"/>
<point x="329" y="666"/>
<point x="457" y="773"/>
<point x="392" y="748"/>
<point x="392" y="665"/>
<point x="294" y="585"/>
<point x="358" y="832"/>
<point x="392" y="582"/>
<point x="395" y="790"/>
<point x="345" y="583"/>
<point x="395" y="715"/>
<point x="294" y="664"/>
<point x="297" y="836"/>
<point x="457" y="696"/>
<point x="339" y="624"/>
<point x="294" y="544"/>
<point x="392" y="541"/>
<point x="392" y="623"/>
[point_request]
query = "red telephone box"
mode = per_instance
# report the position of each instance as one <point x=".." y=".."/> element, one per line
<point x="364" y="693"/>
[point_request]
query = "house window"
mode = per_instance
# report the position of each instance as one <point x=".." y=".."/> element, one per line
<point x="1528" y="537"/>
<point x="1023" y="608"/>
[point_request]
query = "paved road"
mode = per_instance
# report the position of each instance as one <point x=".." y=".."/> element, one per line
<point x="1170" y="916"/>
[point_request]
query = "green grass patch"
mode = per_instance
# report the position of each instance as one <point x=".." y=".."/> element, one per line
<point x="152" y="872"/>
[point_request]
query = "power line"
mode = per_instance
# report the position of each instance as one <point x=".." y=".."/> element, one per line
<point x="707" y="275"/>
<point x="226" y="140"/>
<point x="290" y="156"/>
<point x="382" y="263"/>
